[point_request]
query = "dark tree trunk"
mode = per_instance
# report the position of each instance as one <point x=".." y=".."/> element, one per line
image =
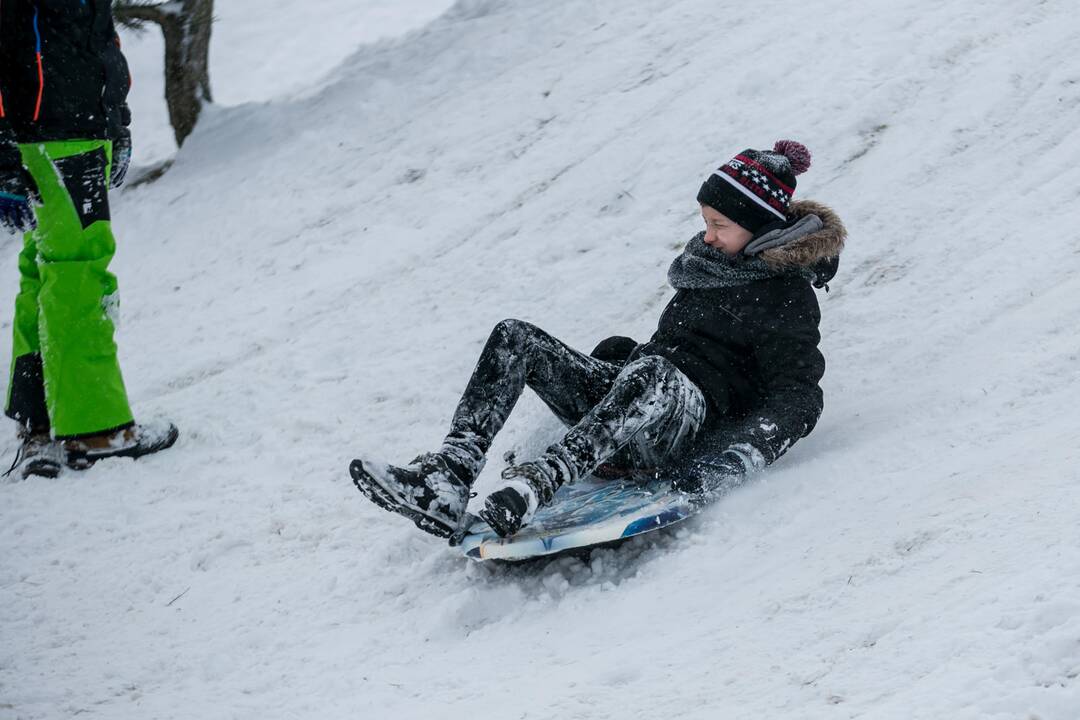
<point x="186" y="26"/>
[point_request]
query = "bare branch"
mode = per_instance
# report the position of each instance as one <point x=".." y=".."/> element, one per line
<point x="136" y="14"/>
<point x="178" y="597"/>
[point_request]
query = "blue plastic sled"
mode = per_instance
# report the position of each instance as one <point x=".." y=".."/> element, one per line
<point x="590" y="512"/>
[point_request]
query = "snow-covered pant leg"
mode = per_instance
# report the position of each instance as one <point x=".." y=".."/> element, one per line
<point x="63" y="353"/>
<point x="518" y="354"/>
<point x="652" y="407"/>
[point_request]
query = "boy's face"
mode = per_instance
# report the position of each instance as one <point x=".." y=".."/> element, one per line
<point x="722" y="233"/>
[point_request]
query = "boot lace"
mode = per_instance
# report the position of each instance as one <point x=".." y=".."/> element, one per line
<point x="18" y="459"/>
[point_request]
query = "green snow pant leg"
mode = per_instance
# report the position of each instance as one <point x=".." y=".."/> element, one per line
<point x="83" y="388"/>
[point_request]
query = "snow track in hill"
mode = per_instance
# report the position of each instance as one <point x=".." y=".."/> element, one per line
<point x="315" y="277"/>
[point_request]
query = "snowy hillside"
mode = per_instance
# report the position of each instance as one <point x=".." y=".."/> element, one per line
<point x="261" y="49"/>
<point x="316" y="274"/>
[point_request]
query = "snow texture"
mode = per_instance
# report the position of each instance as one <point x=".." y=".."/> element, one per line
<point x="316" y="274"/>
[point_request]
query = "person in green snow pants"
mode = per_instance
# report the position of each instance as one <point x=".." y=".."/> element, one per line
<point x="63" y="328"/>
<point x="63" y="142"/>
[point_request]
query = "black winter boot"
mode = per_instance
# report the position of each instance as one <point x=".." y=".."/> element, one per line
<point x="432" y="490"/>
<point x="38" y="455"/>
<point x="132" y="442"/>
<point x="524" y="489"/>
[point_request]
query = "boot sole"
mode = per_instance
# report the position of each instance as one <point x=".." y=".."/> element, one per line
<point x="42" y="468"/>
<point x="374" y="491"/>
<point x="493" y="517"/>
<point x="85" y="460"/>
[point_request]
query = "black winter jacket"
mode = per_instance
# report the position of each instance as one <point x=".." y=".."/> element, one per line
<point x="62" y="75"/>
<point x="752" y="349"/>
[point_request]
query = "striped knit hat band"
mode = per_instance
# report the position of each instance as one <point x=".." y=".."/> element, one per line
<point x="754" y="189"/>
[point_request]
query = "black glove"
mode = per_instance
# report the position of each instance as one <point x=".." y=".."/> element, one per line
<point x="701" y="477"/>
<point x="121" y="157"/>
<point x="615" y="350"/>
<point x="17" y="192"/>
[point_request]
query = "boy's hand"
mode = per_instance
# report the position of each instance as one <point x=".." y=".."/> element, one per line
<point x="121" y="157"/>
<point x="16" y="193"/>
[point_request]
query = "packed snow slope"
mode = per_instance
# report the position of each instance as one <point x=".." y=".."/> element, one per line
<point x="316" y="274"/>
<point x="260" y="49"/>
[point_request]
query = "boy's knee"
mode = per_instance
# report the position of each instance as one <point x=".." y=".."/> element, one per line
<point x="647" y="371"/>
<point x="512" y="328"/>
<point x="650" y="366"/>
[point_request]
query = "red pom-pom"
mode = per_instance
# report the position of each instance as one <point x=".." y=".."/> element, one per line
<point x="796" y="153"/>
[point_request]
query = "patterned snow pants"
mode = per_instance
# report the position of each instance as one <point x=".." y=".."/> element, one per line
<point x="647" y="411"/>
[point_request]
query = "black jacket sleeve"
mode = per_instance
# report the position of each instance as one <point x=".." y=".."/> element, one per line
<point x="785" y="348"/>
<point x="117" y="87"/>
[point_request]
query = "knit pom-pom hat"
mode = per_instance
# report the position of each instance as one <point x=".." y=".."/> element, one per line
<point x="754" y="188"/>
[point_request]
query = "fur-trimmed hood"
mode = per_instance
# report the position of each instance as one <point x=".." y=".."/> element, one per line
<point x="818" y="251"/>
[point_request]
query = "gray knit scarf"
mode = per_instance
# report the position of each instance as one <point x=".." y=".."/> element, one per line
<point x="701" y="267"/>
